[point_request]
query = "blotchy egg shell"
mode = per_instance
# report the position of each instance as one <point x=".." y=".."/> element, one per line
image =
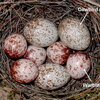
<point x="36" y="54"/>
<point x="77" y="64"/>
<point x="58" y="53"/>
<point x="40" y="32"/>
<point x="15" y="46"/>
<point x="23" y="71"/>
<point x="52" y="76"/>
<point x="74" y="35"/>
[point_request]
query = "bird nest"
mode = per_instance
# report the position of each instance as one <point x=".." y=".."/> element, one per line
<point x="13" y="17"/>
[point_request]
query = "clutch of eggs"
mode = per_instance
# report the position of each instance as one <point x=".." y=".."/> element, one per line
<point x="43" y="33"/>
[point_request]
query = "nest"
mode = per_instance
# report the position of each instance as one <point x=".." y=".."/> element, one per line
<point x="13" y="17"/>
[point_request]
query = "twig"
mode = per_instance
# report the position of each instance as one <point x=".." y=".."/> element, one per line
<point x="8" y="10"/>
<point x="40" y="2"/>
<point x="11" y="19"/>
<point x="92" y="2"/>
<point x="63" y="15"/>
<point x="20" y="15"/>
<point x="95" y="97"/>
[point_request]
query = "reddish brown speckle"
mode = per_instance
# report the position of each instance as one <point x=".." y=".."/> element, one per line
<point x="64" y="50"/>
<point x="70" y="67"/>
<point x="75" y="68"/>
<point x="41" y="54"/>
<point x="12" y="71"/>
<point x="81" y="66"/>
<point x="13" y="36"/>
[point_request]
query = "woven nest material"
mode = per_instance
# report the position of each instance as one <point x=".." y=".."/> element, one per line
<point x="14" y="16"/>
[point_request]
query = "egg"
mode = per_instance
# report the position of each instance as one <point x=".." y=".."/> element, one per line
<point x="58" y="53"/>
<point x="36" y="54"/>
<point x="74" y="34"/>
<point x="23" y="71"/>
<point x="52" y="76"/>
<point x="78" y="64"/>
<point x="40" y="32"/>
<point x="15" y="46"/>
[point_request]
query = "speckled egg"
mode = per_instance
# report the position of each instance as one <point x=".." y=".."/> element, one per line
<point x="15" y="46"/>
<point x="58" y="53"/>
<point x="52" y="76"/>
<point x="23" y="71"/>
<point x="78" y="64"/>
<point x="74" y="34"/>
<point x="36" y="54"/>
<point x="40" y="32"/>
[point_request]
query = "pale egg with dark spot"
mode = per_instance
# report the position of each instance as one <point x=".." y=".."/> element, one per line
<point x="58" y="53"/>
<point x="23" y="71"/>
<point x="78" y="65"/>
<point x="74" y="34"/>
<point x="40" y="32"/>
<point x="52" y="76"/>
<point x="36" y="54"/>
<point x="15" y="46"/>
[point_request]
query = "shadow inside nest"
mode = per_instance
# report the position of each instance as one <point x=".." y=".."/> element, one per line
<point x="14" y="20"/>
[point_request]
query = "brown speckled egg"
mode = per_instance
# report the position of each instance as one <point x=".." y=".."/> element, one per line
<point x="58" y="53"/>
<point x="40" y="32"/>
<point x="23" y="71"/>
<point x="52" y="76"/>
<point x="74" y="34"/>
<point x="36" y="54"/>
<point x="77" y="64"/>
<point x="15" y="46"/>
